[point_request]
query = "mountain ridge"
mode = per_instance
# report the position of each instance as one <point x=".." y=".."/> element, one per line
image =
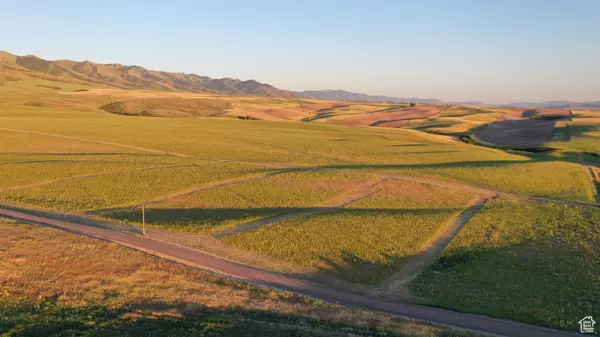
<point x="137" y="77"/>
<point x="343" y="95"/>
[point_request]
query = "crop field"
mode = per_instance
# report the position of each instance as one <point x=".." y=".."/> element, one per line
<point x="227" y="206"/>
<point x="386" y="117"/>
<point x="97" y="193"/>
<point x="584" y="133"/>
<point x="536" y="262"/>
<point x="103" y="289"/>
<point x="303" y="144"/>
<point x="456" y="120"/>
<point x="284" y="181"/>
<point x="366" y="241"/>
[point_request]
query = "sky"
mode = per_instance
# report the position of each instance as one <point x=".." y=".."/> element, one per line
<point x="494" y="51"/>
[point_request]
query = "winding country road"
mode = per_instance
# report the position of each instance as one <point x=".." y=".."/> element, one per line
<point x="259" y="277"/>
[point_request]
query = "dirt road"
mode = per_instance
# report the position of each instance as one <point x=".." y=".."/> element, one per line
<point x="331" y="205"/>
<point x="397" y="285"/>
<point x="268" y="279"/>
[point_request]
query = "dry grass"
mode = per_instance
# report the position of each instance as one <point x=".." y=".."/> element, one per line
<point x="75" y="284"/>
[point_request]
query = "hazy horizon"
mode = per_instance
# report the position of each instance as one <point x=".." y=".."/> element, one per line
<point x="494" y="52"/>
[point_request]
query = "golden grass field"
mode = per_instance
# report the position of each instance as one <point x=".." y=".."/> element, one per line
<point x="202" y="163"/>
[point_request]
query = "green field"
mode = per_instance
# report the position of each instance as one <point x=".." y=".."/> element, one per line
<point x="128" y="188"/>
<point x="365" y="242"/>
<point x="584" y="132"/>
<point x="536" y="262"/>
<point x="228" y="206"/>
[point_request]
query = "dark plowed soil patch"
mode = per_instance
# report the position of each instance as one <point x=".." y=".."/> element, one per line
<point x="526" y="132"/>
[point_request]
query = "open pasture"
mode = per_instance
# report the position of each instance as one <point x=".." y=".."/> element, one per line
<point x="365" y="242"/>
<point x="130" y="188"/>
<point x="532" y="261"/>
<point x="18" y="171"/>
<point x="319" y="146"/>
<point x="228" y="206"/>
<point x="583" y="131"/>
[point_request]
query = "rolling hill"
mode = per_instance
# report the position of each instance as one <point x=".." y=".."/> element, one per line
<point x="136" y="77"/>
<point x="556" y="105"/>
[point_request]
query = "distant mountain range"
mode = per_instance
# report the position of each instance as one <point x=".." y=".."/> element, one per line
<point x="136" y="77"/>
<point x="342" y="95"/>
<point x="555" y="105"/>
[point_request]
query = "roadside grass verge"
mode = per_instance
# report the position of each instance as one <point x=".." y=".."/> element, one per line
<point x="123" y="189"/>
<point x="536" y="262"/>
<point x="227" y="206"/>
<point x="368" y="240"/>
<point x="72" y="285"/>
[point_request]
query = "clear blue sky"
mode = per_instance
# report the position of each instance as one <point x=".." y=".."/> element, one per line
<point x="489" y="50"/>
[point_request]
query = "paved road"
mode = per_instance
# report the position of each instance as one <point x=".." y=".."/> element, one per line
<point x="264" y="278"/>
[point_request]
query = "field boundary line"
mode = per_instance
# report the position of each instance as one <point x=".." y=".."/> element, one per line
<point x="132" y="147"/>
<point x="333" y="204"/>
<point x="397" y="285"/>
<point x="263" y="278"/>
<point x="479" y="190"/>
<point x="86" y="176"/>
<point x="594" y="180"/>
<point x="145" y="149"/>
<point x="207" y="186"/>
<point x="595" y="183"/>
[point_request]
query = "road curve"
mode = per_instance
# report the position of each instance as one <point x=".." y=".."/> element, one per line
<point x="197" y="259"/>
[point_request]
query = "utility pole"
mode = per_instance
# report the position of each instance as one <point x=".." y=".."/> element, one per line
<point x="143" y="220"/>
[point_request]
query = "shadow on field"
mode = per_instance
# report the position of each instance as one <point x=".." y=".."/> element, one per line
<point x="458" y="164"/>
<point x="353" y="268"/>
<point x="207" y="219"/>
<point x="543" y="281"/>
<point x="50" y="318"/>
<point x="350" y="267"/>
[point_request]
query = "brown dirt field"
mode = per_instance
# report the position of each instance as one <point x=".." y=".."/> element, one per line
<point x="390" y="118"/>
